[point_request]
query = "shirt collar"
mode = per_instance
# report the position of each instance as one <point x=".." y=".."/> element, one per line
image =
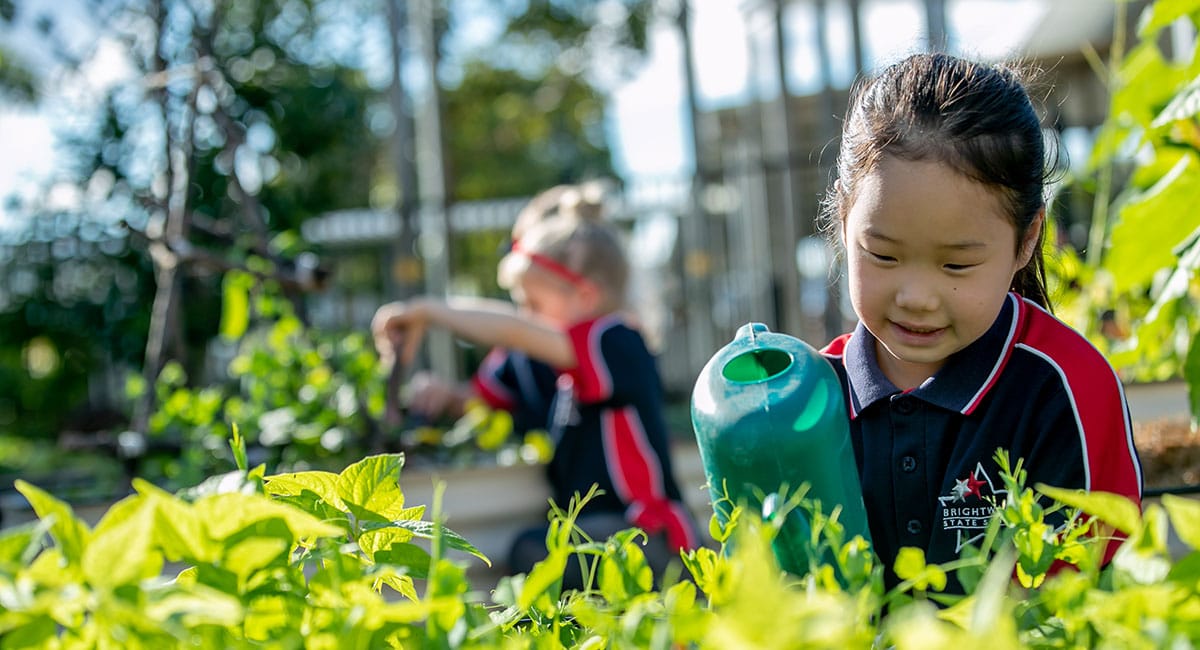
<point x="959" y="386"/>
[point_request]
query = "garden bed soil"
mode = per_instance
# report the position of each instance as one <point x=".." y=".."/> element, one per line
<point x="1170" y="452"/>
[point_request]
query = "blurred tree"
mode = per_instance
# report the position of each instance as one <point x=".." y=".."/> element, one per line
<point x="17" y="83"/>
<point x="236" y="122"/>
<point x="528" y="111"/>
<point x="233" y="127"/>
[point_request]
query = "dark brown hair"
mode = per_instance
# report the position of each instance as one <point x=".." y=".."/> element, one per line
<point x="975" y="117"/>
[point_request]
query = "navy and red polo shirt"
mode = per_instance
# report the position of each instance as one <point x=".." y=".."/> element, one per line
<point x="1030" y="384"/>
<point x="510" y="380"/>
<point x="609" y="430"/>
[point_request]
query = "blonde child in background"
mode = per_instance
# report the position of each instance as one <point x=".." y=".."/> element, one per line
<point x="569" y="278"/>
<point x="508" y="379"/>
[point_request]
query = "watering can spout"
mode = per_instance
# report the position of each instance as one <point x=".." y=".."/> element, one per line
<point x="768" y="412"/>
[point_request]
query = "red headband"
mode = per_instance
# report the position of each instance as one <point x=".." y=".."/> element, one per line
<point x="537" y="259"/>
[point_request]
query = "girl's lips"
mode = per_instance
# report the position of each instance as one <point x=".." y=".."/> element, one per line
<point x="917" y="334"/>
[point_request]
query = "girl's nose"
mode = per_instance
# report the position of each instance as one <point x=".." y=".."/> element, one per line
<point x="916" y="295"/>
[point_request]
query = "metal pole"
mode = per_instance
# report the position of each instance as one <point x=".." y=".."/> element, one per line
<point x="856" y="37"/>
<point x="402" y="271"/>
<point x="697" y="257"/>
<point x="431" y="179"/>
<point x="783" y="241"/>
<point x="827" y="131"/>
<point x="935" y="25"/>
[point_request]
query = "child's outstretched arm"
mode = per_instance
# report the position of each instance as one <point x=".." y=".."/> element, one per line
<point x="402" y="325"/>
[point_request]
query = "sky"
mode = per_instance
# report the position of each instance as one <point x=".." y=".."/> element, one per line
<point x="647" y="118"/>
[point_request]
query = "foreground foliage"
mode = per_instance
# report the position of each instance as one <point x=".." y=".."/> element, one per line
<point x="323" y="560"/>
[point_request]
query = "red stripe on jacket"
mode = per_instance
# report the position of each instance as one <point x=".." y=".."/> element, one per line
<point x="1098" y="401"/>
<point x="488" y="387"/>
<point x="637" y="476"/>
<point x="593" y="380"/>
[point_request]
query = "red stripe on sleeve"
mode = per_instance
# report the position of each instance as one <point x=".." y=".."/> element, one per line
<point x="636" y="474"/>
<point x="1098" y="401"/>
<point x="593" y="381"/>
<point x="487" y="384"/>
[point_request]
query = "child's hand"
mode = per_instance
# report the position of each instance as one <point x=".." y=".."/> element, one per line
<point x="433" y="397"/>
<point x="399" y="327"/>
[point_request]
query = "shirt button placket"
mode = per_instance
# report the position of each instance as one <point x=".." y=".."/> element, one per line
<point x="910" y="493"/>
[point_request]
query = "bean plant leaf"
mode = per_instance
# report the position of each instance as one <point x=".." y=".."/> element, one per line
<point x="226" y="514"/>
<point x="19" y="544"/>
<point x="323" y="484"/>
<point x="70" y="532"/>
<point x="1161" y="13"/>
<point x="235" y="304"/>
<point x="253" y="554"/>
<point x="1183" y="106"/>
<point x="123" y="548"/>
<point x="201" y="605"/>
<point x="1113" y="509"/>
<point x="410" y="556"/>
<point x="1185" y="518"/>
<point x="377" y="539"/>
<point x="542" y="577"/>
<point x="1147" y="81"/>
<point x="427" y="529"/>
<point x="370" y="488"/>
<point x="1151" y="225"/>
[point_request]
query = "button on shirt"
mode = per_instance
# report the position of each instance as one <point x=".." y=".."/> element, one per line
<point x="926" y="457"/>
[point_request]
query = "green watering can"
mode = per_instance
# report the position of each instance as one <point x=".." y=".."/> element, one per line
<point x="768" y="412"/>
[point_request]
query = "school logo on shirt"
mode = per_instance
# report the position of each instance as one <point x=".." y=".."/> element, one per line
<point x="968" y="507"/>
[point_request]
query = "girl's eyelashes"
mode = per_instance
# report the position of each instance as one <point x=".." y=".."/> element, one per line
<point x="878" y="257"/>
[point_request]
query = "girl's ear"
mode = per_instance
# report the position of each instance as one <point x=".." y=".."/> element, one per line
<point x="1033" y="238"/>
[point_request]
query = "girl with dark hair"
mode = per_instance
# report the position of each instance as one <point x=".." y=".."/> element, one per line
<point x="939" y="206"/>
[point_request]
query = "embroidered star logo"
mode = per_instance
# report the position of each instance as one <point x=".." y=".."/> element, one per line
<point x="971" y="526"/>
<point x="973" y="484"/>
<point x="961" y="490"/>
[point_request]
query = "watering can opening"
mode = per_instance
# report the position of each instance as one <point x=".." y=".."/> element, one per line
<point x="757" y="365"/>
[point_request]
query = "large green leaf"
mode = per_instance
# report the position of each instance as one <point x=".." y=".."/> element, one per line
<point x="370" y="488"/>
<point x="70" y="532"/>
<point x="122" y="549"/>
<point x="1183" y="106"/>
<point x="322" y="484"/>
<point x="410" y="556"/>
<point x="1152" y="224"/>
<point x="1147" y="82"/>
<point x="252" y="554"/>
<point x="427" y="530"/>
<point x="1113" y="509"/>
<point x="1161" y="13"/>
<point x="226" y="514"/>
<point x="1185" y="518"/>
<point x="200" y="604"/>
<point x="235" y="304"/>
<point x="18" y="544"/>
<point x="179" y="532"/>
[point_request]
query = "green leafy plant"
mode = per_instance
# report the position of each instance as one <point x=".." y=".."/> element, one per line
<point x="1136" y="292"/>
<point x="318" y="559"/>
